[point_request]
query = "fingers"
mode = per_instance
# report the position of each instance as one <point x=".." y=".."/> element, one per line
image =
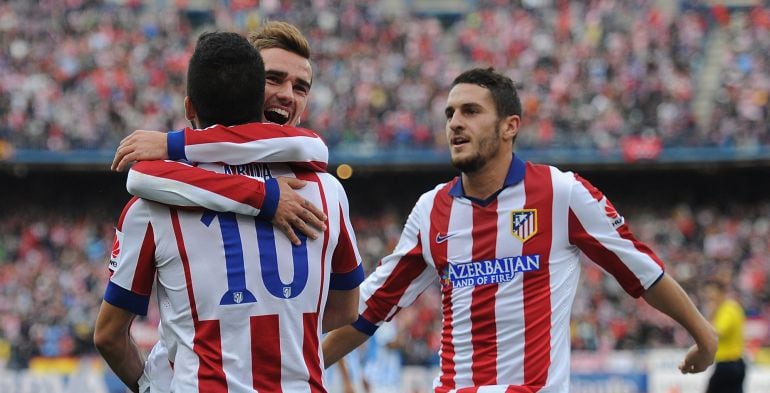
<point x="116" y="160"/>
<point x="304" y="222"/>
<point x="314" y="216"/>
<point x="118" y="163"/>
<point x="301" y="226"/>
<point x="289" y="232"/>
<point x="295" y="183"/>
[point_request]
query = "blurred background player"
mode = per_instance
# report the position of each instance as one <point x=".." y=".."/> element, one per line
<point x="729" y="319"/>
<point x="282" y="328"/>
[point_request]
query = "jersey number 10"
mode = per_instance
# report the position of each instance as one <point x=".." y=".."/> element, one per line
<point x="237" y="293"/>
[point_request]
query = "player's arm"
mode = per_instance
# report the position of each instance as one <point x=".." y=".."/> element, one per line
<point x="112" y="338"/>
<point x="132" y="267"/>
<point x="341" y="309"/>
<point x="598" y="230"/>
<point x="253" y="142"/>
<point x="347" y="273"/>
<point x="340" y="342"/>
<point x="179" y="184"/>
<point x="668" y="297"/>
<point x="395" y="284"/>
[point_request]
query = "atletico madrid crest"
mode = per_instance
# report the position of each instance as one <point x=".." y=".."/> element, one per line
<point x="524" y="223"/>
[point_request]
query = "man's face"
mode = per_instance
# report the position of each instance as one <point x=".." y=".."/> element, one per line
<point x="472" y="127"/>
<point x="287" y="85"/>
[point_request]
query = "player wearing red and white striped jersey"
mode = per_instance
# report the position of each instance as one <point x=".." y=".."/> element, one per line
<point x="262" y="332"/>
<point x="285" y="53"/>
<point x="180" y="183"/>
<point x="234" y="318"/>
<point x="503" y="239"/>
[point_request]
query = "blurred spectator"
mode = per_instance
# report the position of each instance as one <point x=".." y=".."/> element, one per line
<point x="82" y="74"/>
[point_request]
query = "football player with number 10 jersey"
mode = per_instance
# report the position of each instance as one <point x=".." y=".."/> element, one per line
<point x="242" y="309"/>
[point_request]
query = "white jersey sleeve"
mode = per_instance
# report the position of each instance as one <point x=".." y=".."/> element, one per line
<point x="132" y="263"/>
<point x="252" y="142"/>
<point x="347" y="271"/>
<point x="179" y="184"/>
<point x="598" y="230"/>
<point x="399" y="279"/>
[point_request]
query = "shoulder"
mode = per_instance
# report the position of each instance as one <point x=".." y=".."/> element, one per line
<point x="554" y="173"/>
<point x="438" y="196"/>
<point x="559" y="180"/>
<point x="137" y="209"/>
<point x="329" y="182"/>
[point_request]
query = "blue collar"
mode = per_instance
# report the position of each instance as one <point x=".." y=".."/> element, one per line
<point x="514" y="176"/>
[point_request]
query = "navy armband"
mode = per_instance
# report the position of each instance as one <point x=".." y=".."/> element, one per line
<point x="175" y="145"/>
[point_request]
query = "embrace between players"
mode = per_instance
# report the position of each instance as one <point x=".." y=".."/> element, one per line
<point x="250" y="270"/>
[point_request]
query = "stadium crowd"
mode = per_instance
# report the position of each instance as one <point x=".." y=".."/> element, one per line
<point x="53" y="270"/>
<point x="82" y="74"/>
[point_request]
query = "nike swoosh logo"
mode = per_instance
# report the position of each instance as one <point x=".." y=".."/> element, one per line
<point x="442" y="238"/>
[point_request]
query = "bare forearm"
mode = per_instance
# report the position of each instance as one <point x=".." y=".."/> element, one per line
<point x="124" y="359"/>
<point x="341" y="309"/>
<point x="340" y="342"/>
<point x="112" y="338"/>
<point x="669" y="298"/>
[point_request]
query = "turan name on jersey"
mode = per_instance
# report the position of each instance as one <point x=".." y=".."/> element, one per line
<point x="491" y="271"/>
<point x="252" y="170"/>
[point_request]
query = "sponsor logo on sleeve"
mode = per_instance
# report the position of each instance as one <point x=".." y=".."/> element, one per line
<point x="615" y="219"/>
<point x="115" y="254"/>
<point x="524" y="223"/>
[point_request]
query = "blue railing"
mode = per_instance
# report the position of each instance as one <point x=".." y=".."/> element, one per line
<point x="373" y="156"/>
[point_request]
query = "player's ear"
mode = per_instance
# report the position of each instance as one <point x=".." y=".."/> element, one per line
<point x="509" y="127"/>
<point x="189" y="110"/>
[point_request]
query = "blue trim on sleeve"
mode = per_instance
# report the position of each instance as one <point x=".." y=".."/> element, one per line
<point x="270" y="203"/>
<point x="364" y="326"/>
<point x="657" y="280"/>
<point x="125" y="299"/>
<point x="347" y="281"/>
<point x="175" y="141"/>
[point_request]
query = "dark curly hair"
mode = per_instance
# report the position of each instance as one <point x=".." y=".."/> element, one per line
<point x="226" y="80"/>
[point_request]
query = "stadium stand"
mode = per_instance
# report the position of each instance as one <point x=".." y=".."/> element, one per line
<point x="592" y="74"/>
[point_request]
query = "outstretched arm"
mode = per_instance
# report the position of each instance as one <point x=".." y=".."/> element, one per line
<point x="668" y="297"/>
<point x="253" y="142"/>
<point x="274" y="200"/>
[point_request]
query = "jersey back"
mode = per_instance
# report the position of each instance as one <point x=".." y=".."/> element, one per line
<point x="240" y="305"/>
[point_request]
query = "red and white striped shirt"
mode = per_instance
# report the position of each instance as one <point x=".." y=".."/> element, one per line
<point x="509" y="269"/>
<point x="234" y="318"/>
<point x="229" y="325"/>
<point x="175" y="183"/>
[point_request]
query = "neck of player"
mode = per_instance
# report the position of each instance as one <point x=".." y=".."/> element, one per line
<point x="489" y="179"/>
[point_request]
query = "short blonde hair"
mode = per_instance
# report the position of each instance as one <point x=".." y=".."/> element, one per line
<point x="282" y="35"/>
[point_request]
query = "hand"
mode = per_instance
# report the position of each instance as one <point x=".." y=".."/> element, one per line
<point x="294" y="211"/>
<point x="697" y="360"/>
<point x="141" y="145"/>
